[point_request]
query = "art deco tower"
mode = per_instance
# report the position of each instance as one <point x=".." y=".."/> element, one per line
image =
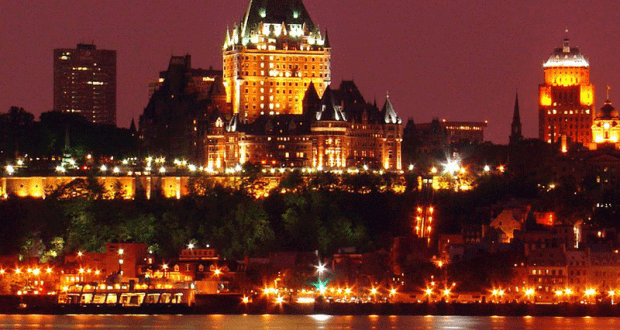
<point x="566" y="98"/>
<point x="270" y="58"/>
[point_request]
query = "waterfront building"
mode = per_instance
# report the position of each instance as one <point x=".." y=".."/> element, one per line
<point x="85" y="83"/>
<point x="566" y="97"/>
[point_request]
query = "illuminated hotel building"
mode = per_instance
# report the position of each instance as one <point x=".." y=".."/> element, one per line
<point x="85" y="83"/>
<point x="271" y="57"/>
<point x="566" y="98"/>
<point x="275" y="107"/>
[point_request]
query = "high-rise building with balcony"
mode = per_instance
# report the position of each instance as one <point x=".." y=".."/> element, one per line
<point x="85" y="83"/>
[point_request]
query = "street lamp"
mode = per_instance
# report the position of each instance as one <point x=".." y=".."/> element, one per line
<point x="120" y="261"/>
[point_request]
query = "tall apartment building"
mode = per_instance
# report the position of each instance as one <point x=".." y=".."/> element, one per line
<point x="85" y="83"/>
<point x="566" y="98"/>
<point x="270" y="58"/>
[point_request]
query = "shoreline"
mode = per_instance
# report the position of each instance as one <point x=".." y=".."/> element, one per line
<point x="233" y="307"/>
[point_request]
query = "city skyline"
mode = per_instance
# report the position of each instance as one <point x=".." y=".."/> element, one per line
<point x="453" y="61"/>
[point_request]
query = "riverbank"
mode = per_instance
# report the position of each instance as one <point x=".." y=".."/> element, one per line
<point x="232" y="304"/>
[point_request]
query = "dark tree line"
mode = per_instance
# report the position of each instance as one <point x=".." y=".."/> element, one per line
<point x="21" y="134"/>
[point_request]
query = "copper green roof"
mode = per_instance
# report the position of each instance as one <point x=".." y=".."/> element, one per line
<point x="275" y="12"/>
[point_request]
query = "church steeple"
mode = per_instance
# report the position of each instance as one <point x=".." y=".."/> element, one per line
<point x="515" y="127"/>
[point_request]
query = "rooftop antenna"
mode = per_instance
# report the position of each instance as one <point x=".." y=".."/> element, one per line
<point x="608" y="89"/>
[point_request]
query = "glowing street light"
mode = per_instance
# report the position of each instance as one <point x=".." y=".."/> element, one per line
<point x="116" y="170"/>
<point x="190" y="246"/>
<point x="487" y="168"/>
<point x="451" y="166"/>
<point x="321" y="268"/>
<point x="103" y="168"/>
<point x="10" y="170"/>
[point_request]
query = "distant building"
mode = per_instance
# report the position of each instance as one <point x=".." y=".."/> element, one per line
<point x="85" y="83"/>
<point x="200" y="79"/>
<point x="439" y="134"/>
<point x="174" y="121"/>
<point x="566" y="97"/>
<point x="606" y="128"/>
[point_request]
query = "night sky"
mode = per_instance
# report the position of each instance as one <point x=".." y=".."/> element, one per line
<point x="453" y="59"/>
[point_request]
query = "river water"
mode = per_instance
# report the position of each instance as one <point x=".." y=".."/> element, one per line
<point x="302" y="322"/>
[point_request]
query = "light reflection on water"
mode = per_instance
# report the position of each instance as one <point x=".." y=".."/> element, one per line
<point x="302" y="322"/>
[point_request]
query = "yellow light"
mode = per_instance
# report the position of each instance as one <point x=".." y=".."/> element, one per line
<point x="494" y="292"/>
<point x="81" y="271"/>
<point x="590" y="292"/>
<point x="568" y="291"/>
<point x="18" y="271"/>
<point x="529" y="292"/>
<point x="611" y="293"/>
<point x="246" y="299"/>
<point x="446" y="292"/>
<point x="501" y="293"/>
<point x="393" y="292"/>
<point x="305" y="300"/>
<point x="428" y="291"/>
<point x="279" y="300"/>
<point x="48" y="270"/>
<point x="373" y="291"/>
<point x="36" y="271"/>
<point x="217" y="271"/>
<point x="97" y="272"/>
<point x="80" y="254"/>
<point x="559" y="293"/>
<point x="347" y="291"/>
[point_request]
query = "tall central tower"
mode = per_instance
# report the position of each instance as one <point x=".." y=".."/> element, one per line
<point x="270" y="58"/>
<point x="566" y="98"/>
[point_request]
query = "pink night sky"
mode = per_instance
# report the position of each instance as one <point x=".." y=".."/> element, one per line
<point x="453" y="59"/>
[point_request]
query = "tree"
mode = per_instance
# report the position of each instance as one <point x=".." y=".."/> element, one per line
<point x="249" y="230"/>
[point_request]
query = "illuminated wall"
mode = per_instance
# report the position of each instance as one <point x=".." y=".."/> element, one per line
<point x="273" y="82"/>
<point x="271" y="58"/>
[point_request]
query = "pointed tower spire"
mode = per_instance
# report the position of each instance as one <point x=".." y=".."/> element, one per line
<point x="515" y="127"/>
<point x="326" y="42"/>
<point x="389" y="114"/>
<point x="132" y="127"/>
